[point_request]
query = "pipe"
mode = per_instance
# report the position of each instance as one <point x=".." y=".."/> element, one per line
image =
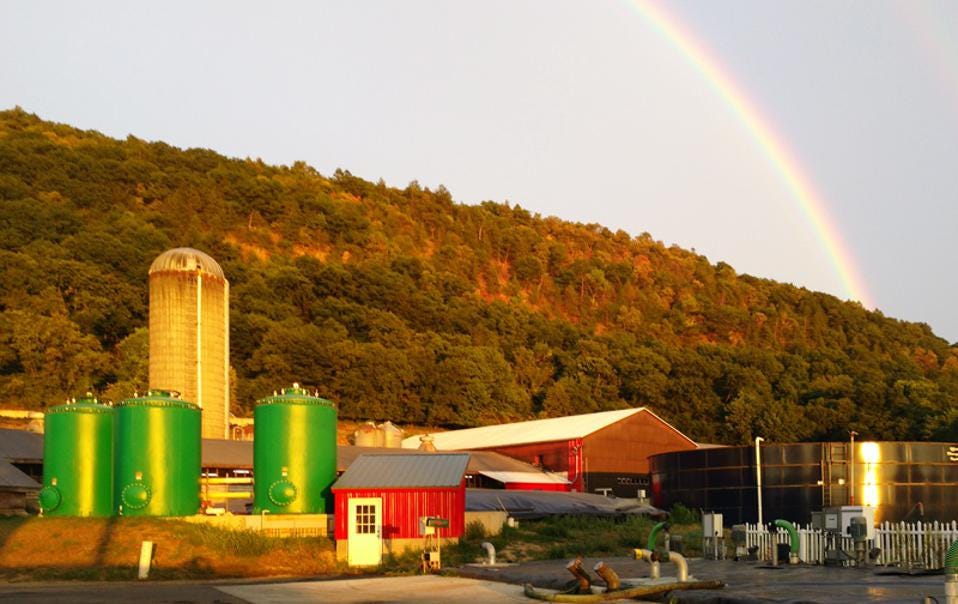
<point x="681" y="566"/>
<point x="644" y="554"/>
<point x="585" y="584"/>
<point x="951" y="574"/>
<point x="758" y="476"/>
<point x="951" y="560"/>
<point x="793" y="539"/>
<point x="655" y="533"/>
<point x="490" y="552"/>
<point x="608" y="575"/>
<point x="851" y="468"/>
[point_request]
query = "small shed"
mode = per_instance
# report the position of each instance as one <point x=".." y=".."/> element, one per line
<point x="382" y="502"/>
<point x="18" y="492"/>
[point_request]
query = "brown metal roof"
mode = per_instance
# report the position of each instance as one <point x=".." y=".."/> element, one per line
<point x="404" y="471"/>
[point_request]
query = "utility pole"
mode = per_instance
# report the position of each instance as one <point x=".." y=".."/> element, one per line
<point x="758" y="476"/>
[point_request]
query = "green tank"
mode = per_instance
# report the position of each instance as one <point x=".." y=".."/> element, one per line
<point x="294" y="453"/>
<point x="157" y="456"/>
<point x="78" y="459"/>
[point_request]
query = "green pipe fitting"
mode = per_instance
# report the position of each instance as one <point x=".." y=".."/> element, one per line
<point x="792" y="534"/>
<point x="655" y="533"/>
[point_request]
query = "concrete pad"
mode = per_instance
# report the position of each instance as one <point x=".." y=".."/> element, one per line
<point x="745" y="582"/>
<point x="426" y="589"/>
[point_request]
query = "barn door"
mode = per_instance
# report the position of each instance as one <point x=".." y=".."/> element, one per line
<point x="365" y="543"/>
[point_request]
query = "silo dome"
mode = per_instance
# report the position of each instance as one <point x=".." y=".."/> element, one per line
<point x="186" y="259"/>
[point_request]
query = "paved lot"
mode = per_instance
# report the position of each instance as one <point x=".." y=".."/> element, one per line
<point x="746" y="582"/>
<point x="425" y="589"/>
<point x="118" y="592"/>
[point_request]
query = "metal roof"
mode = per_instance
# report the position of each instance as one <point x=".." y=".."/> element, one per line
<point x="13" y="478"/>
<point x="23" y="446"/>
<point x="186" y="259"/>
<point x="404" y="471"/>
<point x="526" y="477"/>
<point x="521" y="433"/>
<point x="20" y="445"/>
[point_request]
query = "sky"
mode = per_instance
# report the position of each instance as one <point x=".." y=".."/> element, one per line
<point x="810" y="142"/>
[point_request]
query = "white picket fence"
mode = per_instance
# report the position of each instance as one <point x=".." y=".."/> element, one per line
<point x="909" y="545"/>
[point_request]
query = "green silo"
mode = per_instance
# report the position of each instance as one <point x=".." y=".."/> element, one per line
<point x="78" y="459"/>
<point x="157" y="456"/>
<point x="294" y="453"/>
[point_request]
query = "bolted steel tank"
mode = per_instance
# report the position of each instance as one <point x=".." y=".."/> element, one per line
<point x="157" y="456"/>
<point x="78" y="459"/>
<point x="294" y="453"/>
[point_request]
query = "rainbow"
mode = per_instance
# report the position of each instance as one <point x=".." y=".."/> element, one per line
<point x="771" y="143"/>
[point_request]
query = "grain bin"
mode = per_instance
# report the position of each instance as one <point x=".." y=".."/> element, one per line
<point x="189" y="333"/>
<point x="392" y="436"/>
<point x="367" y="435"/>
<point x="157" y="456"/>
<point x="78" y="459"/>
<point x="294" y="453"/>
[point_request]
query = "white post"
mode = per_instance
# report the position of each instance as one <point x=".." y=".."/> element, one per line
<point x="758" y="476"/>
<point x="146" y="557"/>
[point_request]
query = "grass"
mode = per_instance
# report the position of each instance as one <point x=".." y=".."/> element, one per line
<point x="108" y="548"/>
<point x="94" y="549"/>
<point x="557" y="538"/>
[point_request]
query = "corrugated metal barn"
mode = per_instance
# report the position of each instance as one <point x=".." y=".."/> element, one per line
<point x="597" y="452"/>
<point x="382" y="499"/>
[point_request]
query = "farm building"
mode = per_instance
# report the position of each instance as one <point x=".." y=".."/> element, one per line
<point x="603" y="452"/>
<point x="18" y="492"/>
<point x="383" y="500"/>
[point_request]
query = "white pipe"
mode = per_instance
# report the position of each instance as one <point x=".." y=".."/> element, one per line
<point x="490" y="552"/>
<point x="951" y="589"/>
<point x="758" y="476"/>
<point x="681" y="566"/>
<point x="644" y="554"/>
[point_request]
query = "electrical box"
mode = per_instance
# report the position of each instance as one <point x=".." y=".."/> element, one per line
<point x="425" y="528"/>
<point x="818" y="521"/>
<point x="712" y="525"/>
<point x="839" y="519"/>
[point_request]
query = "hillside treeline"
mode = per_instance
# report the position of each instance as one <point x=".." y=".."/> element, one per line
<point x="401" y="304"/>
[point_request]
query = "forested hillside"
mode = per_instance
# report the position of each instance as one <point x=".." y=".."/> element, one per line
<point x="401" y="304"/>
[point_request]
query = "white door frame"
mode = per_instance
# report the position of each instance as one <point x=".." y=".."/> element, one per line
<point x="364" y="542"/>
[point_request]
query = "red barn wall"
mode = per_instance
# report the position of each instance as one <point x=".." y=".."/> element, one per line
<point x="402" y="509"/>
<point x="537" y="486"/>
<point x="625" y="446"/>
<point x="551" y="456"/>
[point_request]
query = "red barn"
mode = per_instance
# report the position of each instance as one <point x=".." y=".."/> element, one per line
<point x="598" y="452"/>
<point x="381" y="500"/>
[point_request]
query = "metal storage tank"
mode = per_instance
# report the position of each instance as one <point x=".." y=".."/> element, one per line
<point x="189" y="333"/>
<point x="294" y="453"/>
<point x="157" y="456"/>
<point x="78" y="459"/>
<point x="799" y="478"/>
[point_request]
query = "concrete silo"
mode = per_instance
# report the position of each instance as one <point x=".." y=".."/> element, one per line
<point x="189" y="333"/>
